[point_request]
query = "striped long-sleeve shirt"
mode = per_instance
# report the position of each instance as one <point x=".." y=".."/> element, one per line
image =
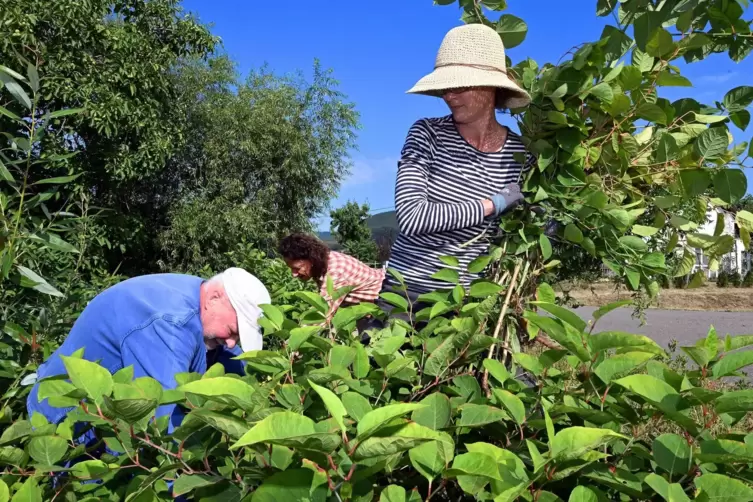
<point x="441" y="183"/>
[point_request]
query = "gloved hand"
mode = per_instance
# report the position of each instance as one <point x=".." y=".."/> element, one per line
<point x="507" y="199"/>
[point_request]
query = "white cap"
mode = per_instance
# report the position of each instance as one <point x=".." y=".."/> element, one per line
<point x="246" y="294"/>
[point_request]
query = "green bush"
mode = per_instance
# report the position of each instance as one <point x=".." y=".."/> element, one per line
<point x="748" y="279"/>
<point x="723" y="279"/>
<point x="735" y="280"/>
<point x="410" y="416"/>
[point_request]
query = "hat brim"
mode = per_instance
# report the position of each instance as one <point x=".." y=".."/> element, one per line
<point x="454" y="77"/>
<point x="250" y="336"/>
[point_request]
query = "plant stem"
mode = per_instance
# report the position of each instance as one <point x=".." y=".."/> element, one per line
<point x="500" y="322"/>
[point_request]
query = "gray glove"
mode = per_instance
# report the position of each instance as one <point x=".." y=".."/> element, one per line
<point x="507" y="199"/>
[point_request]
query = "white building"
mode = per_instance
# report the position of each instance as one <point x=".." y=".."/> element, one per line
<point x="738" y="260"/>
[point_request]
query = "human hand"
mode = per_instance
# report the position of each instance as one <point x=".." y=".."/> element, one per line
<point x="507" y="199"/>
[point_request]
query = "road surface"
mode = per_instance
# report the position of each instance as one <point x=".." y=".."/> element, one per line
<point x="665" y="325"/>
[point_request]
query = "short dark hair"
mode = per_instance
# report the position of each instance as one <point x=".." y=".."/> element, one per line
<point x="300" y="246"/>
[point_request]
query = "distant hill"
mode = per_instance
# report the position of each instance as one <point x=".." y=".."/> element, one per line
<point x="383" y="226"/>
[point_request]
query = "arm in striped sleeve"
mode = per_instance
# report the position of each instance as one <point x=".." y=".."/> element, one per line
<point x="415" y="214"/>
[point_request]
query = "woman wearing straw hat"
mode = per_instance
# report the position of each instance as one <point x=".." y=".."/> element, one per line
<point x="457" y="174"/>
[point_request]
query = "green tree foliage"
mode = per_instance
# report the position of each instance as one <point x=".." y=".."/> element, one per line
<point x="350" y="227"/>
<point x="114" y="60"/>
<point x="267" y="155"/>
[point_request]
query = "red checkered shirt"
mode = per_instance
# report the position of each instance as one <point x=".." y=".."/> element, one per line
<point x="348" y="271"/>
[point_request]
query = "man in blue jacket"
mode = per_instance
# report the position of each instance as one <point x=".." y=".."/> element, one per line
<point x="161" y="325"/>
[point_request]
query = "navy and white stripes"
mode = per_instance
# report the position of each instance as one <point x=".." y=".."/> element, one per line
<point x="441" y="182"/>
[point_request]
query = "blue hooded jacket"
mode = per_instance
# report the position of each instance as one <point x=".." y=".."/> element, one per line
<point x="150" y="322"/>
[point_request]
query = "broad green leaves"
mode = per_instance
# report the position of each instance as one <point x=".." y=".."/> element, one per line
<point x="89" y="377"/>
<point x="512" y="29"/>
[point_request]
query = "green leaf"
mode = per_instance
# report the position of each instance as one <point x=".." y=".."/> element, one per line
<point x="47" y="450"/>
<point x="667" y="79"/>
<point x="652" y="113"/>
<point x="730" y="184"/>
<point x="361" y="366"/>
<point x="473" y="464"/>
<point x="447" y="275"/>
<point x="54" y="242"/>
<point x="634" y="243"/>
<point x="546" y="247"/>
<point x="672" y="453"/>
<point x="712" y="143"/>
<point x="32" y="280"/>
<point x="720" y="488"/>
<point x="436" y="414"/>
<point x="601" y="312"/>
<point x="227" y="390"/>
<point x="621" y="364"/>
<point x="731" y="363"/>
<point x="224" y="422"/>
<point x="450" y="261"/>
<point x="478" y="415"/>
<point x="187" y="483"/>
<point x="5" y="175"/>
<point x="333" y="404"/>
<point x="64" y="113"/>
<point x="563" y="314"/>
<point x="512" y="404"/>
<point x="277" y="429"/>
<point x="89" y="377"/>
<point x="293" y="485"/>
<point x="667" y="150"/>
<point x="90" y="469"/>
<point x="315" y="300"/>
<point x="29" y="491"/>
<point x="738" y="98"/>
<point x="432" y="458"/>
<point x="573" y="233"/>
<point x="395" y="300"/>
<point x="694" y="181"/>
<point x="573" y="442"/>
<point x="735" y="401"/>
<point x="479" y="264"/>
<point x="60" y="180"/>
<point x="512" y="29"/>
<point x="660" y="43"/>
<point x="545" y="293"/>
<point x="709" y="119"/>
<point x="670" y="492"/>
<point x="644" y="231"/>
<point x="356" y="405"/>
<point x="484" y="288"/>
<point x="15" y="90"/>
<point x="376" y="419"/>
<point x="299" y="336"/>
<point x="4" y="492"/>
<point x="583" y="494"/>
<point x="603" y="92"/>
<point x="497" y="370"/>
<point x="392" y="493"/>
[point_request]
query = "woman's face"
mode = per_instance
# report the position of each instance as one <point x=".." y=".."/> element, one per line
<point x="300" y="268"/>
<point x="470" y="104"/>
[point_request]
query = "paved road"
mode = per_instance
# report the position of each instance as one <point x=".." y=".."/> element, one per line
<point x="665" y="325"/>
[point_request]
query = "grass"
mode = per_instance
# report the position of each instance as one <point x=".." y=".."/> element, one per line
<point x="705" y="298"/>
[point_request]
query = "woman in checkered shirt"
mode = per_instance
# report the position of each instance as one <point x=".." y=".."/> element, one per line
<point x="309" y="258"/>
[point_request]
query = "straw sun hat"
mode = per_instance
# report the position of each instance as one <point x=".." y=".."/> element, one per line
<point x="472" y="56"/>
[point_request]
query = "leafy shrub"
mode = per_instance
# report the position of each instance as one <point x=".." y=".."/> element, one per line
<point x="407" y="417"/>
<point x="723" y="279"/>
<point x="735" y="280"/>
<point x="748" y="279"/>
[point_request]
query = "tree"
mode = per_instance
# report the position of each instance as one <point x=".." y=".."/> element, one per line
<point x="266" y="157"/>
<point x="116" y="60"/>
<point x="350" y="228"/>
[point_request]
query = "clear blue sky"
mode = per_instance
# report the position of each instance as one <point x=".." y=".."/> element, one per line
<point x="379" y="49"/>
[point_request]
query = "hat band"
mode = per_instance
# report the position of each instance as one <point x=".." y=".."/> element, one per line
<point x="477" y="66"/>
